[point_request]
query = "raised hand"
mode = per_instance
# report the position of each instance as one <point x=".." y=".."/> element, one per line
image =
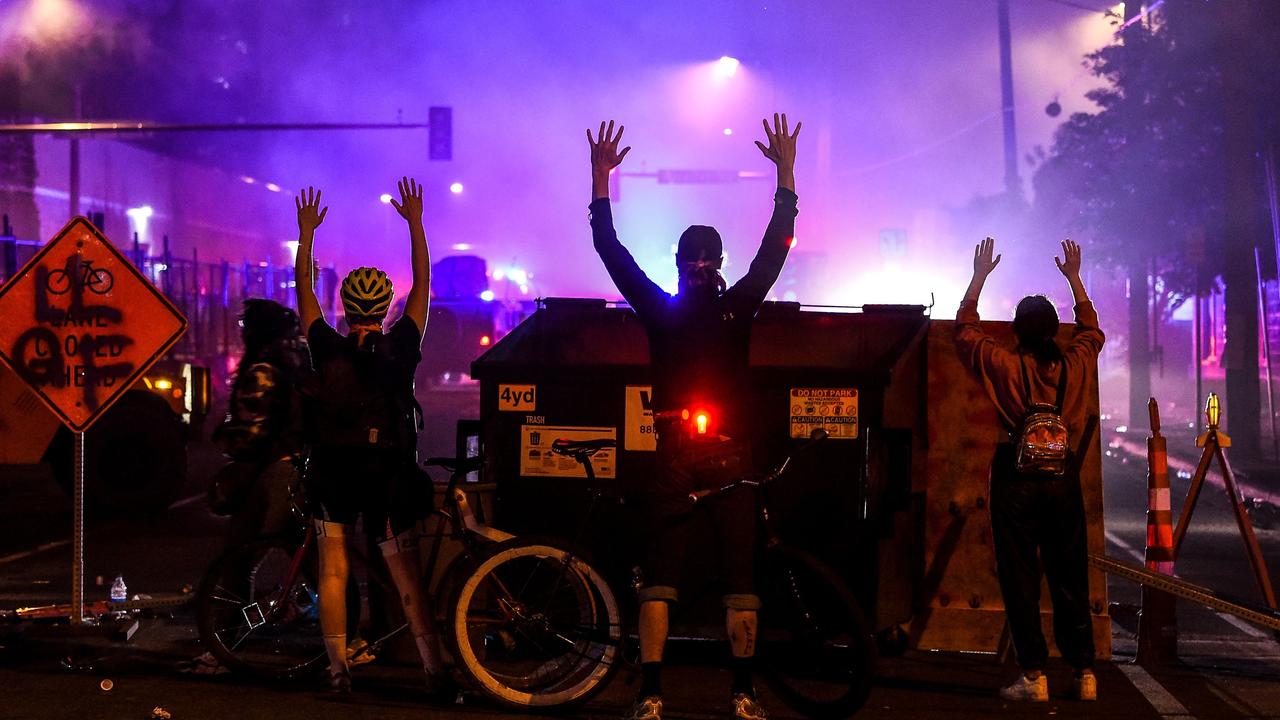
<point x="310" y="215"/>
<point x="604" y="150"/>
<point x="983" y="263"/>
<point x="1069" y="265"/>
<point x="782" y="142"/>
<point x="410" y="205"/>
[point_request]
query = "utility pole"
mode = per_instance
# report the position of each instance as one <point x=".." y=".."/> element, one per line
<point x="1012" y="183"/>
<point x="1241" y="143"/>
<point x="1139" y="310"/>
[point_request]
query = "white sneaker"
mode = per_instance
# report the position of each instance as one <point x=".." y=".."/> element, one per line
<point x="1085" y="687"/>
<point x="1026" y="689"/>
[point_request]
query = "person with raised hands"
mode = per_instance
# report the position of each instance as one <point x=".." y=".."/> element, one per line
<point x="698" y="343"/>
<point x="361" y="424"/>
<point x="1040" y="389"/>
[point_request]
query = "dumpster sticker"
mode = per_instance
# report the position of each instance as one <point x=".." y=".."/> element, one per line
<point x="639" y="433"/>
<point x="832" y="409"/>
<point x="517" y="398"/>
<point x="537" y="460"/>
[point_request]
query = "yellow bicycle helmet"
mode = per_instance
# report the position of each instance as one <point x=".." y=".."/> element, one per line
<point x="366" y="295"/>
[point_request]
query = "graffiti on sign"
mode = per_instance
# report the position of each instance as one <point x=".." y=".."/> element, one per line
<point x="86" y="324"/>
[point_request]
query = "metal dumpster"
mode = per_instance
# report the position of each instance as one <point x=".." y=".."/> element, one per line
<point x="579" y="368"/>
<point x="895" y="500"/>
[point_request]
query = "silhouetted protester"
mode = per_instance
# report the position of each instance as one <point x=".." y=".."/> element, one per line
<point x="362" y="423"/>
<point x="1040" y="392"/>
<point x="698" y="344"/>
<point x="262" y="431"/>
<point x="261" y="435"/>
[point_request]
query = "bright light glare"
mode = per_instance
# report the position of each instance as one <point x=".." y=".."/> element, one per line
<point x="485" y="340"/>
<point x="273" y="187"/>
<point x="140" y="213"/>
<point x="726" y="67"/>
<point x="518" y="276"/>
<point x="792" y="244"/>
<point x="164" y="384"/>
<point x="292" y="246"/>
<point x="728" y="131"/>
<point x="385" y="198"/>
<point x="247" y="180"/>
<point x="701" y="420"/>
<point x="487" y="296"/>
<point x="499" y="273"/>
<point x="455" y="188"/>
<point x="462" y="247"/>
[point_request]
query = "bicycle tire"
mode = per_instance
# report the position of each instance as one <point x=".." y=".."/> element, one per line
<point x="251" y="622"/>
<point x="817" y="652"/>
<point x="519" y="595"/>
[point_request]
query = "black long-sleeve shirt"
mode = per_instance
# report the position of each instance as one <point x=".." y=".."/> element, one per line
<point x="699" y="350"/>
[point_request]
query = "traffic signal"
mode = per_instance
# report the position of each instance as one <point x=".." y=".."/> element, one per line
<point x="440" y="133"/>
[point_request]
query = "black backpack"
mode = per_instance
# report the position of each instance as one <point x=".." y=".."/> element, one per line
<point x="359" y="398"/>
<point x="1042" y="444"/>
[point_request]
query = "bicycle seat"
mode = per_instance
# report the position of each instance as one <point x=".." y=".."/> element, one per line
<point x="581" y="449"/>
<point x="456" y="465"/>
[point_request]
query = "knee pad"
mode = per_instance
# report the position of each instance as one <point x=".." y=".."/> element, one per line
<point x="660" y="593"/>
<point x="741" y="601"/>
<point x="327" y="529"/>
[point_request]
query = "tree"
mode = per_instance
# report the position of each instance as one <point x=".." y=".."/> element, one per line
<point x="1141" y="180"/>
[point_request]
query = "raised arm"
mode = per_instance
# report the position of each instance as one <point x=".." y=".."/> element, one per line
<point x="310" y="215"/>
<point x="767" y="264"/>
<point x="1087" y="338"/>
<point x="975" y="347"/>
<point x="640" y="292"/>
<point x="410" y="208"/>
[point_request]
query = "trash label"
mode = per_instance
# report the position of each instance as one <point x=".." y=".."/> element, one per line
<point x="639" y="433"/>
<point x="832" y="409"/>
<point x="537" y="459"/>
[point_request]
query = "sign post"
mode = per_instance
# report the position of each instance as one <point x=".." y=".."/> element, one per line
<point x="82" y="326"/>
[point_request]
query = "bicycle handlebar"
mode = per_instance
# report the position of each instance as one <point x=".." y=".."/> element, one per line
<point x="815" y="437"/>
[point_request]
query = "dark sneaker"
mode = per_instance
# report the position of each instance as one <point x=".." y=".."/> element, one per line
<point x="746" y="707"/>
<point x="649" y="708"/>
<point x="340" y="682"/>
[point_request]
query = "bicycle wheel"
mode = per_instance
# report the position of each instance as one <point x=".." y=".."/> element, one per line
<point x="816" y="648"/>
<point x="258" y="613"/>
<point x="534" y="626"/>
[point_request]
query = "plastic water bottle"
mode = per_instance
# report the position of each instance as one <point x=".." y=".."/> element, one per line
<point x="119" y="591"/>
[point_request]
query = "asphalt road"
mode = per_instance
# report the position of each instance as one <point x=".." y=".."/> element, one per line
<point x="1229" y="669"/>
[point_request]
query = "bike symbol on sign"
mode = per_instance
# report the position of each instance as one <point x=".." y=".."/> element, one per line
<point x="97" y="280"/>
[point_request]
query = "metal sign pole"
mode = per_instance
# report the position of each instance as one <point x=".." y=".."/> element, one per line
<point x="77" y="541"/>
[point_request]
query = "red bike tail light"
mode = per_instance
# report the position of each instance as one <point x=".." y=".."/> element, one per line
<point x="700" y="421"/>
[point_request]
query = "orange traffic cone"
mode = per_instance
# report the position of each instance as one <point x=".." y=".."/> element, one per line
<point x="1158" y="622"/>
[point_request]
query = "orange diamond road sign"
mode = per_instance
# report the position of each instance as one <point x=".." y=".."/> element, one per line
<point x="81" y="324"/>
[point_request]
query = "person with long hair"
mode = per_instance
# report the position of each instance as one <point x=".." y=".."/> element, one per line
<point x="1037" y="518"/>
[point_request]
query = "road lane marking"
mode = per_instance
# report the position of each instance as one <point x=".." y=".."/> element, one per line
<point x="1159" y="698"/>
<point x="187" y="501"/>
<point x="1243" y="626"/>
<point x="37" y="549"/>
<point x="1124" y="546"/>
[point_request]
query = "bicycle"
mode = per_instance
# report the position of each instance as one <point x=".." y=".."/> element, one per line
<point x="256" y="606"/>
<point x="816" y="648"/>
<point x="97" y="280"/>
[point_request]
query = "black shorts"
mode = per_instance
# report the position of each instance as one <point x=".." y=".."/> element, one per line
<point x="682" y="468"/>
<point x="384" y="486"/>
